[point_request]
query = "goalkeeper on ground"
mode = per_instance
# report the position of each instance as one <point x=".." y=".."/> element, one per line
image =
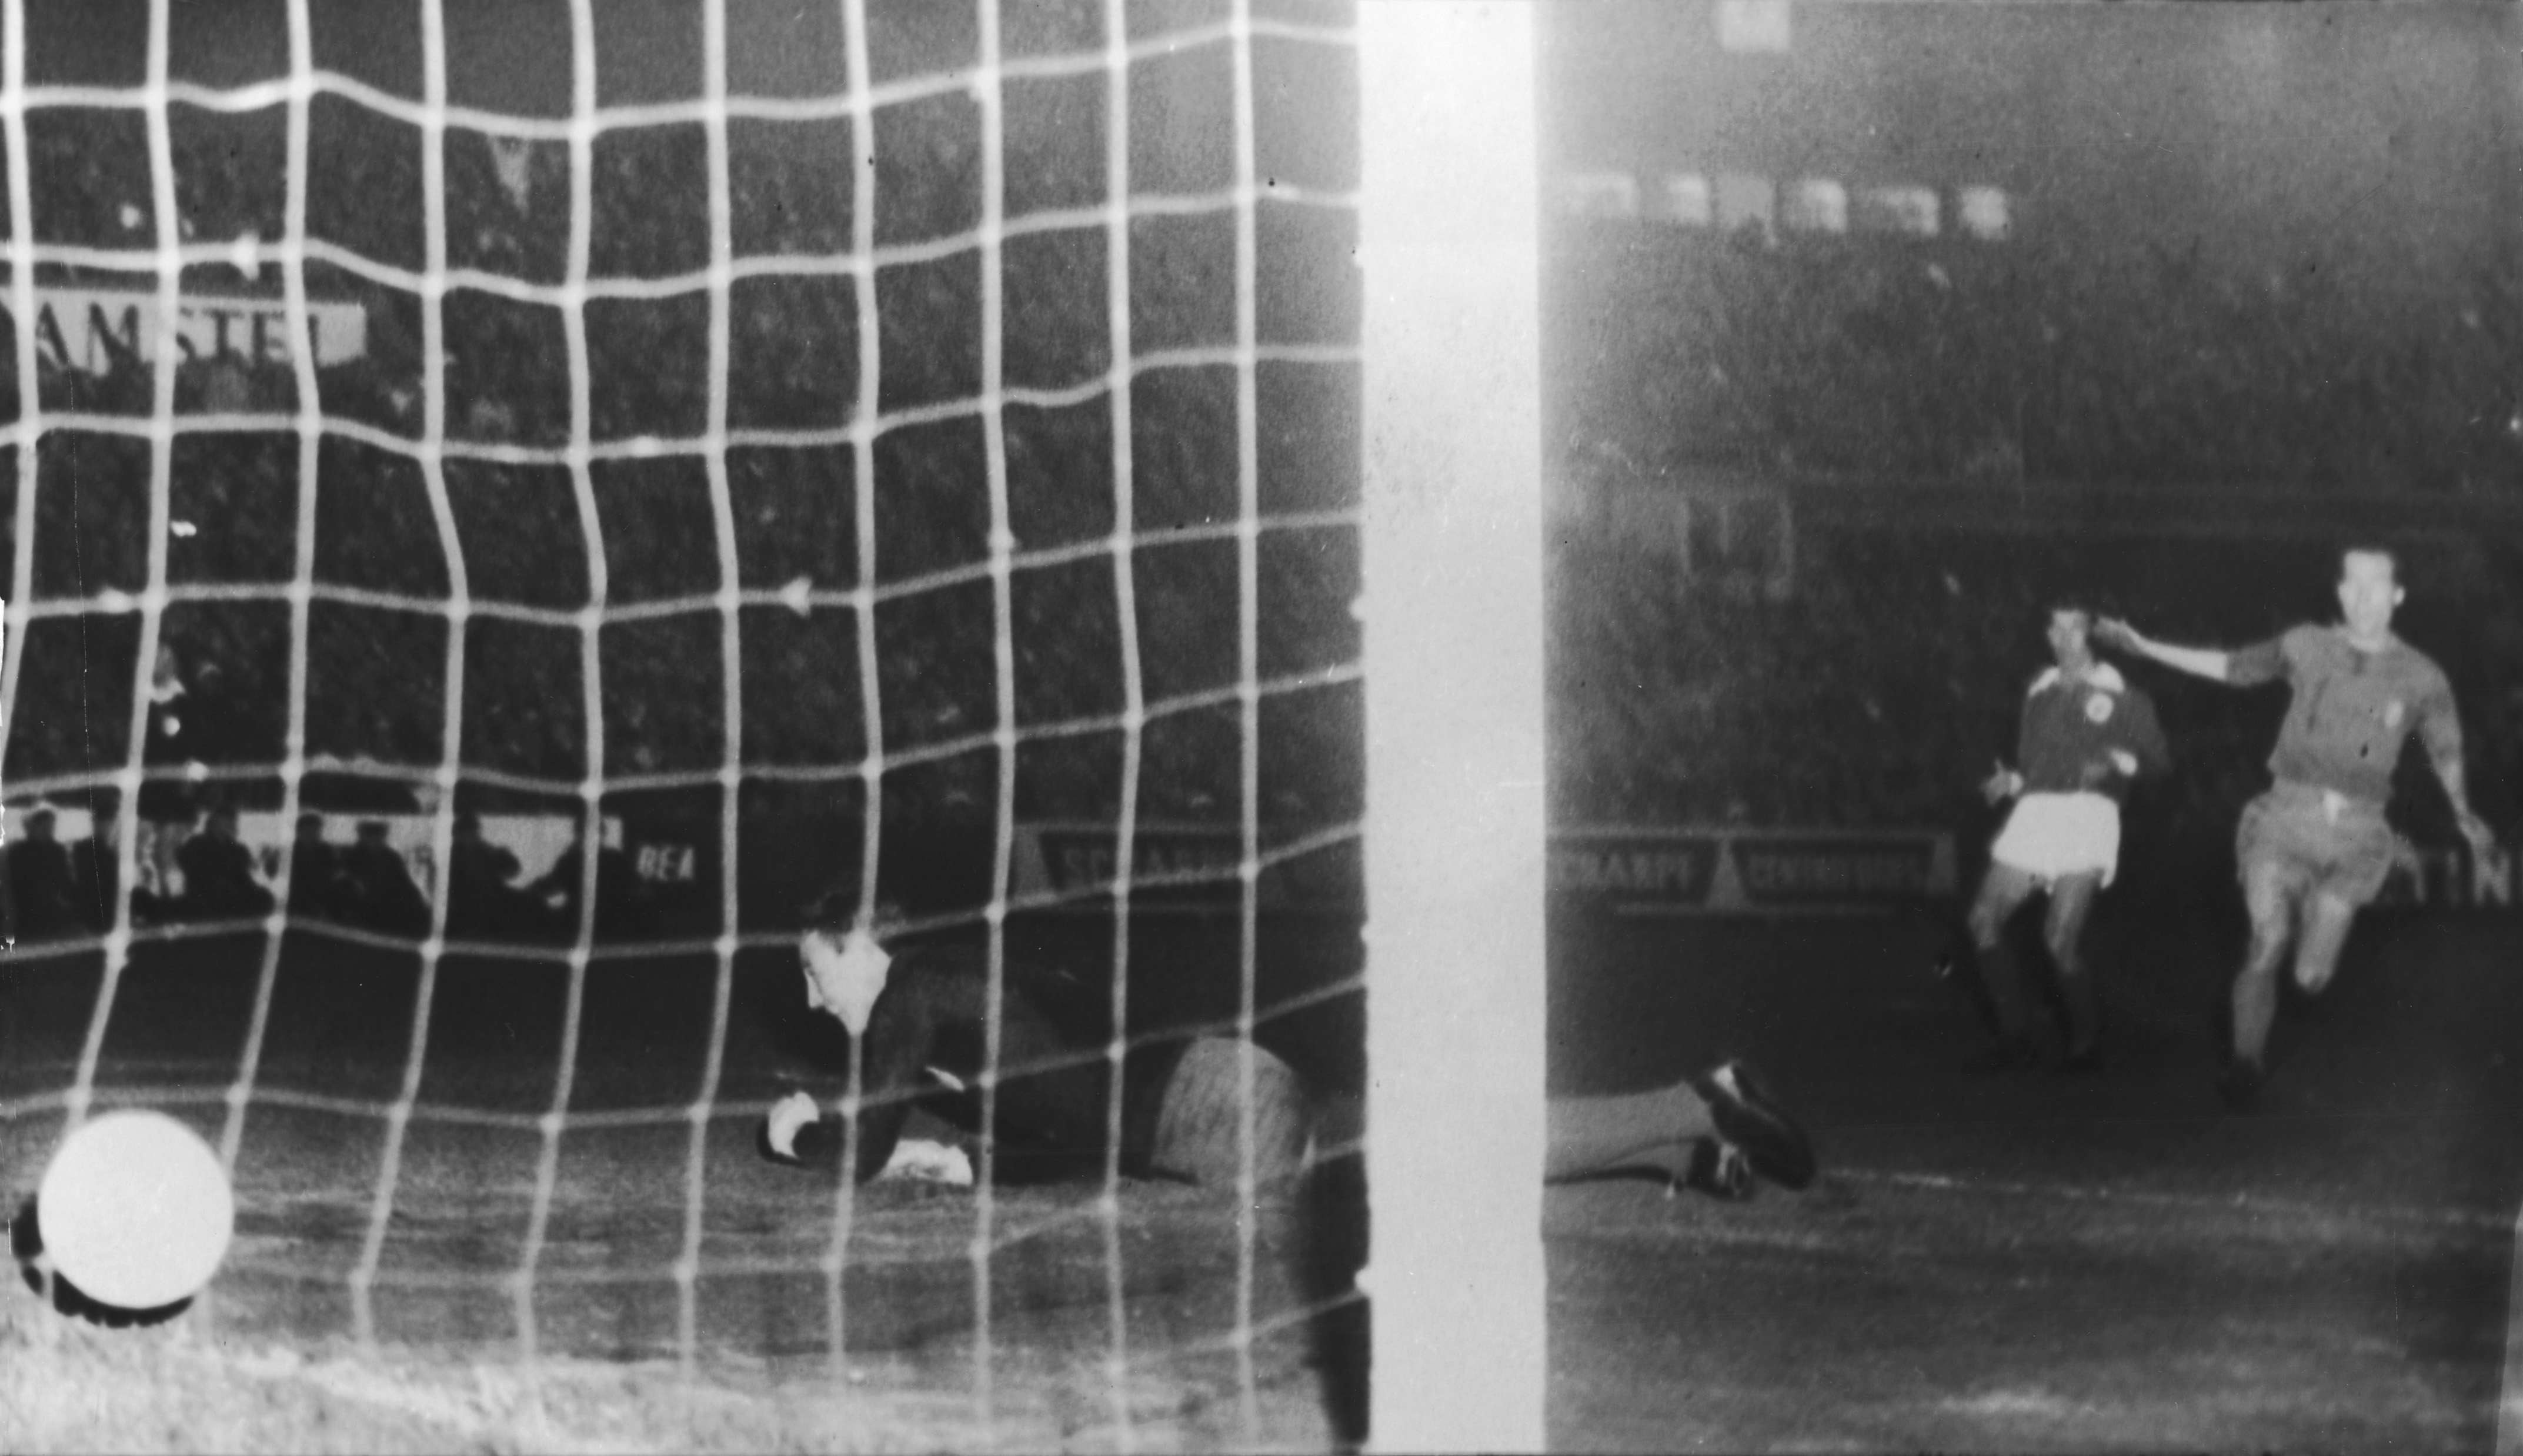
<point x="918" y="1019"/>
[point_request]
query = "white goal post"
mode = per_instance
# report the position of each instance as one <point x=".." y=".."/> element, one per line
<point x="1454" y="875"/>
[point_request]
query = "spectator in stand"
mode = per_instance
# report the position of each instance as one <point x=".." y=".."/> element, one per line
<point x="171" y="736"/>
<point x="483" y="899"/>
<point x="209" y="735"/>
<point x="40" y="882"/>
<point x="380" y="884"/>
<point x="619" y="911"/>
<point x="167" y="802"/>
<point x="316" y="887"/>
<point x="189" y="730"/>
<point x="220" y="883"/>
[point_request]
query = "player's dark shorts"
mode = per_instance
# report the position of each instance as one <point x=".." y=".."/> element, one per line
<point x="2317" y="839"/>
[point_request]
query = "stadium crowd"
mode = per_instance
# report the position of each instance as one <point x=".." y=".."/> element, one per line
<point x="1875" y="693"/>
<point x="507" y="213"/>
<point x="375" y="680"/>
<point x="2034" y="359"/>
<point x="204" y="871"/>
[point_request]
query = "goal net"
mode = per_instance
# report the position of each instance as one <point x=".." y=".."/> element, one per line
<point x="516" y="512"/>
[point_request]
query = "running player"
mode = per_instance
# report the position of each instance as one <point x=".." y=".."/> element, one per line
<point x="2084" y="734"/>
<point x="919" y="1018"/>
<point x="2314" y="848"/>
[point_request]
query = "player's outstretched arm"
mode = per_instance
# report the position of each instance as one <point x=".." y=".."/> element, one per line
<point x="2209" y="663"/>
<point x="2440" y="729"/>
<point x="2483" y="839"/>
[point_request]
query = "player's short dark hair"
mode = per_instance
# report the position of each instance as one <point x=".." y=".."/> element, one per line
<point x="2363" y="546"/>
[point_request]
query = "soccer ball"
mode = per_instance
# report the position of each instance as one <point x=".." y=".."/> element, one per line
<point x="136" y="1210"/>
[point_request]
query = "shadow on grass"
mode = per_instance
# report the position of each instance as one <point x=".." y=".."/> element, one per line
<point x="27" y="1243"/>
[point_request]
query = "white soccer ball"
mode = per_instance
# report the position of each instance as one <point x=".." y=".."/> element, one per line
<point x="136" y="1210"/>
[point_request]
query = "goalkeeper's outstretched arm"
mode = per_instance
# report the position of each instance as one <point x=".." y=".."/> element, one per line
<point x="796" y="1131"/>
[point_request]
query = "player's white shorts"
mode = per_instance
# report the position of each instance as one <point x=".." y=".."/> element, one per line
<point x="2049" y="835"/>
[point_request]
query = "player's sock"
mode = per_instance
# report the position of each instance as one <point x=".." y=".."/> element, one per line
<point x="2238" y="1086"/>
<point x="1718" y="1169"/>
<point x="2084" y="1021"/>
<point x="2254" y="1009"/>
<point x="1957" y="966"/>
<point x="2003" y="981"/>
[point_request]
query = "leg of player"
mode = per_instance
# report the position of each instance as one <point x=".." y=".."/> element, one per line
<point x="2321" y="933"/>
<point x="1675" y="1131"/>
<point x="1955" y="961"/>
<point x="2002" y="892"/>
<point x="1589" y="1136"/>
<point x="2072" y="899"/>
<point x="2269" y="895"/>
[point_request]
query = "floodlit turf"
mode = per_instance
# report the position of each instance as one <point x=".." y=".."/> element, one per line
<point x="2048" y="1265"/>
<point x="2031" y="1264"/>
<point x="272" y="1361"/>
<point x="69" y="1386"/>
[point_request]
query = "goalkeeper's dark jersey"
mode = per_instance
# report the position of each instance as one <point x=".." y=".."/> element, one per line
<point x="1052" y="1119"/>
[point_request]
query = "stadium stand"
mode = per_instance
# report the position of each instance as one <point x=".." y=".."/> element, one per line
<point x="508" y="367"/>
<point x="1871" y="356"/>
<point x="1810" y="357"/>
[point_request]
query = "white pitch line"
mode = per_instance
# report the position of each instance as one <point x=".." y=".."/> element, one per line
<point x="2070" y="1193"/>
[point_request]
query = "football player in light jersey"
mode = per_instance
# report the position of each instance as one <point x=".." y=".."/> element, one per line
<point x="2314" y="848"/>
<point x="2084" y="734"/>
